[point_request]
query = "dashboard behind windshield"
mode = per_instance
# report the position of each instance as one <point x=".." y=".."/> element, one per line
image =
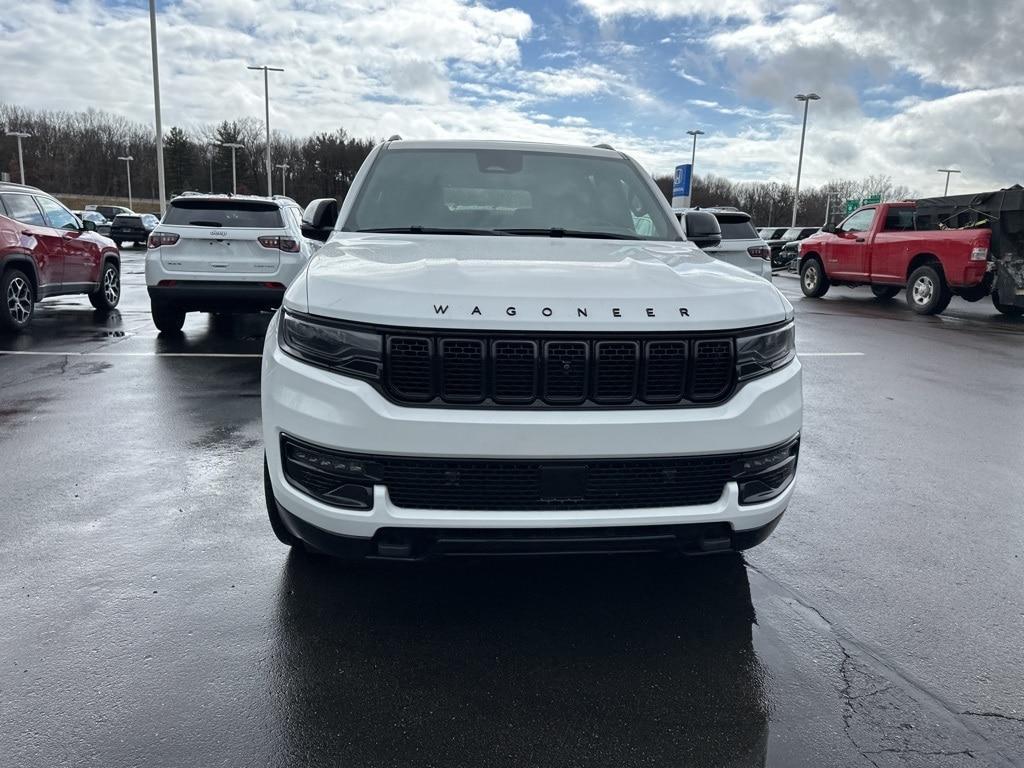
<point x="508" y="191"/>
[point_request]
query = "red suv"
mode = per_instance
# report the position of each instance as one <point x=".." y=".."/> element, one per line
<point x="45" y="250"/>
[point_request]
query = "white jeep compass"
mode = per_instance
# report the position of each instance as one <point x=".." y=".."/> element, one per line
<point x="511" y="348"/>
<point x="223" y="254"/>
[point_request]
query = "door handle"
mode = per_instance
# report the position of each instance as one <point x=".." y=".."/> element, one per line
<point x="28" y="233"/>
<point x="859" y="240"/>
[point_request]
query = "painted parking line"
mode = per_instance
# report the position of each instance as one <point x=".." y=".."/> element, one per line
<point x="50" y="353"/>
<point x="830" y="354"/>
<point x="100" y="353"/>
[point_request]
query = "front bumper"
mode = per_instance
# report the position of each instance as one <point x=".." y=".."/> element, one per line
<point x="347" y="414"/>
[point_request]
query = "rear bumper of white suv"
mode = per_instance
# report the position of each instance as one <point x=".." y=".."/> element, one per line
<point x="323" y="414"/>
<point x="216" y="292"/>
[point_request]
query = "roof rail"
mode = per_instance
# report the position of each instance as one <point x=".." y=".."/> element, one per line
<point x="395" y="137"/>
<point x="604" y="146"/>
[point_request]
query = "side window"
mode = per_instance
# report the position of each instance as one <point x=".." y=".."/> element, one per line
<point x="900" y="220"/>
<point x="24" y="209"/>
<point x="57" y="215"/>
<point x="859" y="222"/>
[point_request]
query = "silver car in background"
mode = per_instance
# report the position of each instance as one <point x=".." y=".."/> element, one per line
<point x="741" y="245"/>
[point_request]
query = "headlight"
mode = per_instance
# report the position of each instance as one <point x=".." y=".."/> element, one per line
<point x="765" y="352"/>
<point x="331" y="345"/>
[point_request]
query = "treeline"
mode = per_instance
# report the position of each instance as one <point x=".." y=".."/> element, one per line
<point x="770" y="203"/>
<point x="77" y="153"/>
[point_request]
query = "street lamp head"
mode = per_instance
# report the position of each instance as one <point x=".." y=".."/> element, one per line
<point x="947" y="170"/>
<point x="268" y="69"/>
<point x="129" y="158"/>
<point x="807" y="97"/>
<point x="696" y="133"/>
<point x="19" y="134"/>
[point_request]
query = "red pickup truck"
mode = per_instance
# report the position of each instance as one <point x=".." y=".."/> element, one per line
<point x="882" y="246"/>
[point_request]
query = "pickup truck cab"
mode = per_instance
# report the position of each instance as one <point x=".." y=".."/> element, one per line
<point x="882" y="246"/>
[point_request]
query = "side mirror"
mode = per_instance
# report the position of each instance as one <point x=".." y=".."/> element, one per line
<point x="88" y="226"/>
<point x="319" y="218"/>
<point x="703" y="229"/>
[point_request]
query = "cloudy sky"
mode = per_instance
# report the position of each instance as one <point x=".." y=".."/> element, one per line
<point x="907" y="86"/>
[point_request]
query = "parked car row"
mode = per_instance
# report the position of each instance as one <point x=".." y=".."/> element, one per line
<point x="778" y="238"/>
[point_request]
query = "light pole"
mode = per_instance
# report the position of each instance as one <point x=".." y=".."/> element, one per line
<point x="128" y="170"/>
<point x="19" y="135"/>
<point x="266" y="98"/>
<point x="234" y="178"/>
<point x="806" y="98"/>
<point x="693" y="155"/>
<point x="210" y="151"/>
<point x="946" y="171"/>
<point x="284" y="169"/>
<point x="156" y="107"/>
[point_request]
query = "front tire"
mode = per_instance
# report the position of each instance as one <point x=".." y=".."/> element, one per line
<point x="884" y="292"/>
<point x="927" y="292"/>
<point x="18" y="300"/>
<point x="276" y="523"/>
<point x="813" y="280"/>
<point x="105" y="298"/>
<point x="168" y="318"/>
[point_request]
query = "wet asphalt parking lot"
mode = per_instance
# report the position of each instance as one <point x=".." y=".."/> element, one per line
<point x="151" y="619"/>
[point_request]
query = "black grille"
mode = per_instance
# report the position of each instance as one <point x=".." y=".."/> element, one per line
<point x="712" y="369"/>
<point x="559" y="371"/>
<point x="509" y="484"/>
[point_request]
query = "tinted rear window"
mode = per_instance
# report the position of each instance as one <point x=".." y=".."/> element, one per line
<point x="737" y="229"/>
<point x="124" y="220"/>
<point x="224" y="213"/>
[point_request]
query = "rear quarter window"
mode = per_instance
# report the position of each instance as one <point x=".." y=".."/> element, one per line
<point x="737" y="229"/>
<point x="24" y="209"/>
<point x="224" y="214"/>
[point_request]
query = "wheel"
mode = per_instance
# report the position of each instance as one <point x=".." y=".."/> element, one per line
<point x="927" y="292"/>
<point x="884" y="292"/>
<point x="19" y="300"/>
<point x="283" y="534"/>
<point x="167" y="317"/>
<point x="105" y="298"/>
<point x="813" y="280"/>
<point x="1010" y="310"/>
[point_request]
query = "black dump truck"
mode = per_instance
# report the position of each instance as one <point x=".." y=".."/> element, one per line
<point x="1002" y="212"/>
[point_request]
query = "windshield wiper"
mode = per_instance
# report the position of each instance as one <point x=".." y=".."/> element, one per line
<point x="559" y="232"/>
<point x="418" y="230"/>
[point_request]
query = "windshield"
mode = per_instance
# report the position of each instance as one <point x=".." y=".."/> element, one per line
<point x="499" y="191"/>
<point x="791" y="234"/>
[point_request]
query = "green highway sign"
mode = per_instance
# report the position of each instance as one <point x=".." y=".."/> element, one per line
<point x="853" y="204"/>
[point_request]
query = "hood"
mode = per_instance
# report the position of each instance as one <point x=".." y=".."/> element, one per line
<point x="530" y="283"/>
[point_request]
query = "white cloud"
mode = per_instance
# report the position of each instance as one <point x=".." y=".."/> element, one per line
<point x="692" y="78"/>
<point x="663" y="9"/>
